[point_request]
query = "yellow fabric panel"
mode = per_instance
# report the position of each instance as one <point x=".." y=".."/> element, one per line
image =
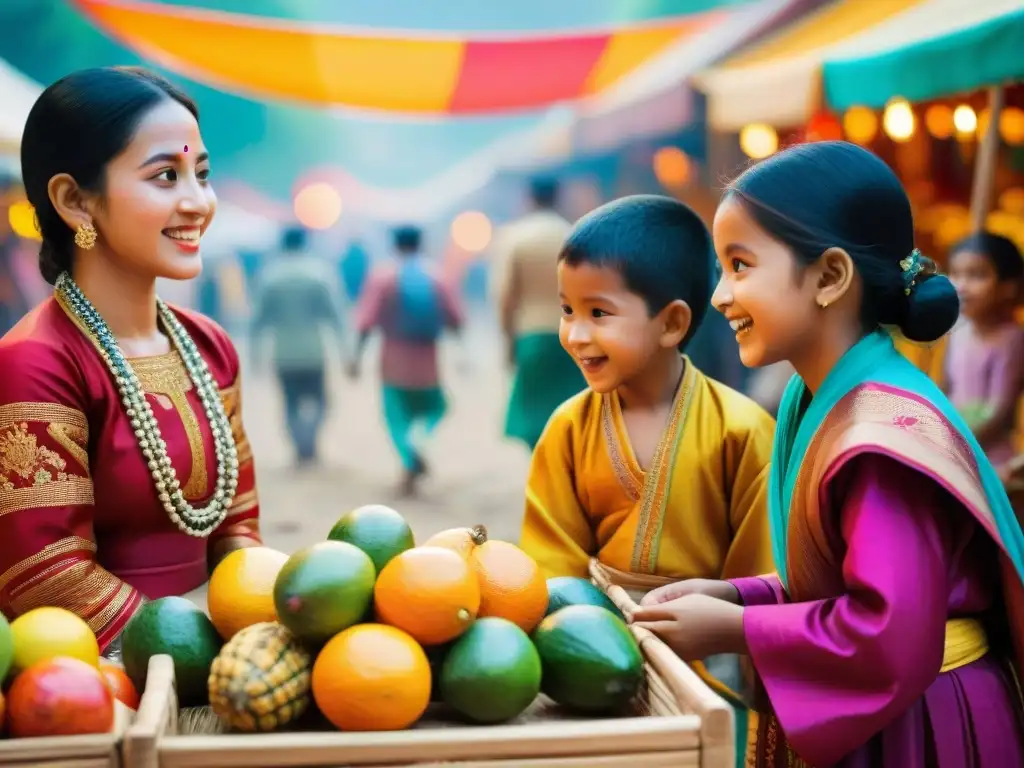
<point x="582" y="497"/>
<point x="630" y="48"/>
<point x="292" y="62"/>
<point x="825" y="27"/>
<point x="930" y="358"/>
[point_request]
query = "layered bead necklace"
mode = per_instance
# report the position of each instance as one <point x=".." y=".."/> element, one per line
<point x="195" y="521"/>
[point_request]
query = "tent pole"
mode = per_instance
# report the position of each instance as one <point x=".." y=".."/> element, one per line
<point x="986" y="161"/>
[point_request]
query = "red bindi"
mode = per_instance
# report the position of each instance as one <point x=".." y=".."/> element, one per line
<point x="186" y="147"/>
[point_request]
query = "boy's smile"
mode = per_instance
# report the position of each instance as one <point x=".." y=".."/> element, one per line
<point x="607" y="329"/>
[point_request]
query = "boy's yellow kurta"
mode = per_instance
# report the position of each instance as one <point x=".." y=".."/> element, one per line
<point x="698" y="512"/>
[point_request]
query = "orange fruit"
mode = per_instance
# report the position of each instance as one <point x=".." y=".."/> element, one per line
<point x="371" y="677"/>
<point x="461" y="540"/>
<point x="60" y="697"/>
<point x="430" y="592"/>
<point x="120" y="684"/>
<point x="47" y="632"/>
<point x="512" y="585"/>
<point x="241" y="591"/>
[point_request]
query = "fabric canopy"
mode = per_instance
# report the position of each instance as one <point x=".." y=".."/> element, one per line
<point x="655" y="100"/>
<point x="416" y="73"/>
<point x="935" y="49"/>
<point x="17" y="95"/>
<point x="778" y="81"/>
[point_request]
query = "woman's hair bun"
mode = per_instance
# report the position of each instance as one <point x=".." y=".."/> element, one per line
<point x="932" y="307"/>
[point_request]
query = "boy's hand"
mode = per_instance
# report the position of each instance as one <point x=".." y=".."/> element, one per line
<point x="720" y="590"/>
<point x="695" y="626"/>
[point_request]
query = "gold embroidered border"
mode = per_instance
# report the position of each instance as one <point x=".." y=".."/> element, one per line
<point x="611" y="438"/>
<point x="113" y="609"/>
<point x="57" y="493"/>
<point x="166" y="376"/>
<point x="82" y="588"/>
<point x="656" y="487"/>
<point x="162" y="374"/>
<point x="13" y="413"/>
<point x="232" y="398"/>
<point x="57" y="549"/>
<point x="243" y="502"/>
<point x="74" y="440"/>
<point x="871" y="418"/>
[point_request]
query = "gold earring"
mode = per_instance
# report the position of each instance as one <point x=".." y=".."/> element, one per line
<point x="823" y="304"/>
<point x="85" y="237"/>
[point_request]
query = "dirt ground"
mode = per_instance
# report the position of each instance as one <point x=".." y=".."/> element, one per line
<point x="476" y="475"/>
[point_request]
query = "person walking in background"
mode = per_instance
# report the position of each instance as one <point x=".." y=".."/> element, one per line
<point x="412" y="307"/>
<point x="296" y="302"/>
<point x="526" y="290"/>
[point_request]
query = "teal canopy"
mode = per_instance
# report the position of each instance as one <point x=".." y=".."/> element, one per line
<point x="920" y="68"/>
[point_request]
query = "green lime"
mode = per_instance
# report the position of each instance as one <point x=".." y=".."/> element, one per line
<point x="6" y="647"/>
<point x="177" y="627"/>
<point x="492" y="672"/>
<point x="591" y="660"/>
<point x="572" y="590"/>
<point x="324" y="589"/>
<point x="379" y="531"/>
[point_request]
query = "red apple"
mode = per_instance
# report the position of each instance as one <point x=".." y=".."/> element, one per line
<point x="60" y="697"/>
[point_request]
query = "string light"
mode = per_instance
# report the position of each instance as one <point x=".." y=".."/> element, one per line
<point x="898" y="120"/>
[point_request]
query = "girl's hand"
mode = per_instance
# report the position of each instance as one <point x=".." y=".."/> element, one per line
<point x="720" y="590"/>
<point x="695" y="626"/>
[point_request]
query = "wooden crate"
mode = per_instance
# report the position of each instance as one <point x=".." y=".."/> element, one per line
<point x="675" y="722"/>
<point x="100" y="750"/>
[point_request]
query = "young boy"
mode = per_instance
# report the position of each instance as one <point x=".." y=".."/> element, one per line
<point x="656" y="470"/>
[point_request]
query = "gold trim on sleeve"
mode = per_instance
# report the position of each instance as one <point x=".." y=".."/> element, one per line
<point x="58" y="548"/>
<point x="244" y="502"/>
<point x="68" y="492"/>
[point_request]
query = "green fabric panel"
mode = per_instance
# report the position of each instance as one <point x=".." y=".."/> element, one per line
<point x="966" y="60"/>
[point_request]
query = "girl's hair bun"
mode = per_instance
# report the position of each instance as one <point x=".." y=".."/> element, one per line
<point x="931" y="308"/>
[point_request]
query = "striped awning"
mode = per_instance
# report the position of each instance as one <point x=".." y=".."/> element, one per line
<point x="778" y="82"/>
<point x="938" y="48"/>
<point x="419" y="72"/>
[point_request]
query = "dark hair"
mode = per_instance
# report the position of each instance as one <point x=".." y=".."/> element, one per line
<point x="1001" y="252"/>
<point x="660" y="247"/>
<point x="833" y="194"/>
<point x="544" y="191"/>
<point x="408" y="239"/>
<point x="294" y="239"/>
<point x="77" y="126"/>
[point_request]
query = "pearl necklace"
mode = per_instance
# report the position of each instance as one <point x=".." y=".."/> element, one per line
<point x="195" y="521"/>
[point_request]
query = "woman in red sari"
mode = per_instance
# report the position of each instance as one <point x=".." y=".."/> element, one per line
<point x="125" y="473"/>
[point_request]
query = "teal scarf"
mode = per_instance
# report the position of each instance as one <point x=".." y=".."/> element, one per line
<point x="874" y="359"/>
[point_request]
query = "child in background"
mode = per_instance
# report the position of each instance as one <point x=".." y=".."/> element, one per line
<point x="984" y="370"/>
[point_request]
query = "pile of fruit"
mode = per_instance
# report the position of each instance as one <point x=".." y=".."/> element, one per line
<point x="366" y="629"/>
<point x="55" y="682"/>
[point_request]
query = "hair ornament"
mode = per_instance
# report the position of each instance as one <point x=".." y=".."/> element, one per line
<point x="913" y="266"/>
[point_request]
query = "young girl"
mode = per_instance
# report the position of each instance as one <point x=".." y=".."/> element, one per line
<point x="985" y="359"/>
<point x="887" y="635"/>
